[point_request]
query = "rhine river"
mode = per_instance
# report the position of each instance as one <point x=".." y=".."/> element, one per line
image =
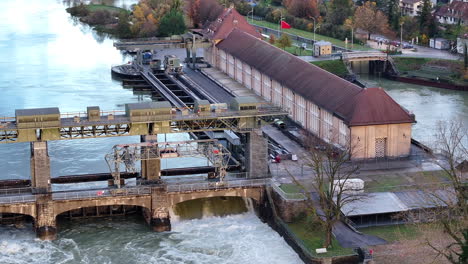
<point x="48" y="60"/>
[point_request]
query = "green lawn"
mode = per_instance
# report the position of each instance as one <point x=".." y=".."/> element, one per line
<point x="307" y="34"/>
<point x="290" y="188"/>
<point x="393" y="233"/>
<point x="297" y="51"/>
<point x="409" y="64"/>
<point x="314" y="238"/>
<point x="336" y="67"/>
<point x="112" y="9"/>
<point x="400" y="181"/>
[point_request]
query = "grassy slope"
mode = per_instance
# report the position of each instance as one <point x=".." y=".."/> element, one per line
<point x="414" y="67"/>
<point x="112" y="9"/>
<point x="313" y="239"/>
<point x="309" y="35"/>
<point x="336" y="67"/>
<point x="393" y="232"/>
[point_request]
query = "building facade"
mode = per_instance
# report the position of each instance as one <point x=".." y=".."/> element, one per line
<point x="454" y="13"/>
<point x="331" y="108"/>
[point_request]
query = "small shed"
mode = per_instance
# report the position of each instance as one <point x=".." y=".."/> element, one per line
<point x="244" y="103"/>
<point x="322" y="48"/>
<point x="439" y="43"/>
<point x="202" y="106"/>
<point x="147" y="110"/>
<point x="94" y="113"/>
<point x="37" y="117"/>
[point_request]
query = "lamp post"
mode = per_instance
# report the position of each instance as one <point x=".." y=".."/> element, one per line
<point x="401" y="36"/>
<point x="315" y="24"/>
<point x="279" y="25"/>
<point x="251" y="11"/>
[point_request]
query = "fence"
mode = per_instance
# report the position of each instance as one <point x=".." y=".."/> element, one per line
<point x="288" y="196"/>
<point x="17" y="199"/>
<point x="77" y="195"/>
<point x="216" y="185"/>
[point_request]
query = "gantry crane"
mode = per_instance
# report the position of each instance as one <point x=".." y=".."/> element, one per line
<point x="128" y="154"/>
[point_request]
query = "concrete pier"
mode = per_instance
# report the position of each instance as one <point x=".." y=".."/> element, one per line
<point x="256" y="153"/>
<point x="150" y="169"/>
<point x="40" y="167"/>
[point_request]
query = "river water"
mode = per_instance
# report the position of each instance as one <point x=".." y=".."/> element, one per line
<point x="429" y="104"/>
<point x="46" y="60"/>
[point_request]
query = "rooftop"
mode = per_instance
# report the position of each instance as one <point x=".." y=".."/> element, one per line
<point x="37" y="111"/>
<point x="148" y="105"/>
<point x="356" y="106"/>
<point x="228" y="20"/>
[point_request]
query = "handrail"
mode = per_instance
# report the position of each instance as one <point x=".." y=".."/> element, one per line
<point x="288" y="196"/>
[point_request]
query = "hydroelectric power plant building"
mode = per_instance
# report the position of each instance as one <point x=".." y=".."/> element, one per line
<point x="326" y="105"/>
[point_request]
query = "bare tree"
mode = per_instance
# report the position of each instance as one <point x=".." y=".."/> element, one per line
<point x="331" y="185"/>
<point x="452" y="143"/>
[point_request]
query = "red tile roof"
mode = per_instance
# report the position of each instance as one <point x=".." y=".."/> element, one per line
<point x="373" y="106"/>
<point x="229" y="20"/>
<point x="325" y="89"/>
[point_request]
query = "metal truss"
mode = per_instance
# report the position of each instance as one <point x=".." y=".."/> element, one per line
<point x="123" y="157"/>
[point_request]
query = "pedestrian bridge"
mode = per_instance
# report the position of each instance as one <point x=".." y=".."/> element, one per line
<point x="364" y="56"/>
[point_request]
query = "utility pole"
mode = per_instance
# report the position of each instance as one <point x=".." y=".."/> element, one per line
<point x="279" y="25"/>
<point x="401" y="36"/>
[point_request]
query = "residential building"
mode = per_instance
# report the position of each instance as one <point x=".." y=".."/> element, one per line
<point x="454" y="13"/>
<point x="411" y="7"/>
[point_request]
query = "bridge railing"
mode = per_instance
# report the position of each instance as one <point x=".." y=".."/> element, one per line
<point x="12" y="191"/>
<point x="363" y="54"/>
<point x="216" y="185"/>
<point x="11" y="199"/>
<point x="77" y="195"/>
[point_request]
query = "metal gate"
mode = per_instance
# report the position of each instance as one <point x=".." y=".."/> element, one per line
<point x="380" y="147"/>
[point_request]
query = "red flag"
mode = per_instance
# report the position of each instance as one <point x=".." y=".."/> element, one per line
<point x="285" y="25"/>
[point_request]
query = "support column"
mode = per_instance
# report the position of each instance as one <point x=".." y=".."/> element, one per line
<point x="150" y="169"/>
<point x="45" y="224"/>
<point x="256" y="154"/>
<point x="40" y="167"/>
<point x="158" y="217"/>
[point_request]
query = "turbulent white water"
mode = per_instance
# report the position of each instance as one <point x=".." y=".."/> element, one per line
<point x="233" y="239"/>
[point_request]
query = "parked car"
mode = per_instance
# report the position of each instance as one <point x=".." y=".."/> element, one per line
<point x="407" y="45"/>
<point x="395" y="43"/>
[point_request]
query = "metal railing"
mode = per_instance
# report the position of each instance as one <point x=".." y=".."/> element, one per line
<point x="77" y="195"/>
<point x="9" y="191"/>
<point x="288" y="196"/>
<point x="17" y="199"/>
<point x="216" y="185"/>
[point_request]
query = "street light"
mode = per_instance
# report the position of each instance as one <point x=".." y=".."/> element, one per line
<point x="315" y="24"/>
<point x="251" y="11"/>
<point x="401" y="35"/>
<point x="279" y="24"/>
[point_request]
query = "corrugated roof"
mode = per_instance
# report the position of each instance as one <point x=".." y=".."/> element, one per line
<point x="229" y="20"/>
<point x="149" y="105"/>
<point x="325" y="89"/>
<point x="37" y="111"/>
<point x="374" y="203"/>
<point x="245" y="99"/>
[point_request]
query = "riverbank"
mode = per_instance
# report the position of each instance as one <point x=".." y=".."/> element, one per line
<point x="440" y="73"/>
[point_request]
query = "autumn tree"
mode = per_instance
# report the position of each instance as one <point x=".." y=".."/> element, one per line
<point x="284" y="41"/>
<point x="272" y="39"/>
<point x="302" y="8"/>
<point x="370" y="19"/>
<point x="209" y="11"/>
<point x="339" y="10"/>
<point x="193" y="10"/>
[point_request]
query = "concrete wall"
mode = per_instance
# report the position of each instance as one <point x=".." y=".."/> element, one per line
<point x="398" y="140"/>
